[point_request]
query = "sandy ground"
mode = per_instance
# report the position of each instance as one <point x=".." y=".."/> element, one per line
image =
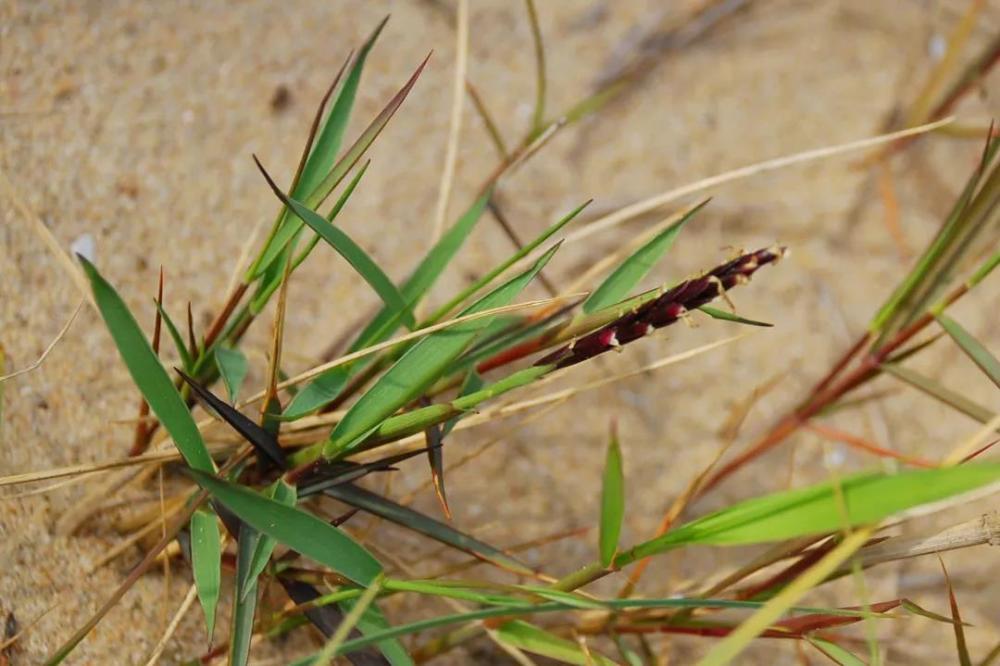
<point x="134" y="123"/>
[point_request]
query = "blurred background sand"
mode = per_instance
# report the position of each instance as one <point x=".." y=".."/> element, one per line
<point x="134" y="123"/>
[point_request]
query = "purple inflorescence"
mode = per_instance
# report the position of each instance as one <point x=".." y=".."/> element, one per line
<point x="665" y="309"/>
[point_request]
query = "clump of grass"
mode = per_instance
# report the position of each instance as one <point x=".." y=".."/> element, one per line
<point x="250" y="511"/>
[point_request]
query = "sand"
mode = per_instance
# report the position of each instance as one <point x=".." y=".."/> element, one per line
<point x="133" y="124"/>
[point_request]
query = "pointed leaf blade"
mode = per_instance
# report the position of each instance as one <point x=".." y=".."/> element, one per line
<point x="631" y="271"/>
<point x="147" y="372"/>
<point x="206" y="564"/>
<point x="233" y="367"/>
<point x="350" y="251"/>
<point x="974" y="349"/>
<point x="612" y="501"/>
<point x="868" y="498"/>
<point x="296" y="529"/>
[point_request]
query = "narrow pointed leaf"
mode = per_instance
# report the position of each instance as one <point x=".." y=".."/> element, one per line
<point x="175" y="335"/>
<point x="296" y="529"/>
<point x="206" y="564"/>
<point x="867" y="498"/>
<point x="233" y="367"/>
<point x="421" y="366"/>
<point x="612" y="502"/>
<point x="147" y="372"/>
<point x="281" y="492"/>
<point x="328" y="141"/>
<point x="716" y="313"/>
<point x="245" y="598"/>
<point x="272" y="277"/>
<point x="974" y="349"/>
<point x="315" y="196"/>
<point x="631" y="271"/>
<point x="961" y="645"/>
<point x="422" y="524"/>
<point x="350" y="250"/>
<point x="530" y="638"/>
<point x="363" y="142"/>
<point x="327" y="386"/>
<point x="263" y="442"/>
<point x="911" y="607"/>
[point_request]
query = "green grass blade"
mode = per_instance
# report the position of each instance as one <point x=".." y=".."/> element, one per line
<point x="233" y="367"/>
<point x="327" y="386"/>
<point x="617" y="285"/>
<point x="612" y="501"/>
<point x="866" y="498"/>
<point x="530" y="638"/>
<point x="715" y="313"/>
<point x="350" y="251"/>
<point x="206" y="564"/>
<point x="147" y="372"/>
<point x="363" y="142"/>
<point x="285" y="494"/>
<point x="324" y="151"/>
<point x="974" y="349"/>
<point x="423" y="524"/>
<point x="245" y="599"/>
<point x="296" y="529"/>
<point x="314" y="198"/>
<point x="273" y="275"/>
<point x="421" y="366"/>
<point x="175" y="335"/>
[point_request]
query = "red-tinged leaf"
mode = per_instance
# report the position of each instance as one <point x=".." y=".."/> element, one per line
<point x="815" y="621"/>
<point x="435" y="456"/>
<point x="960" y="644"/>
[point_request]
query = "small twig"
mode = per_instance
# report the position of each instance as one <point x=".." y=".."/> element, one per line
<point x="49" y="348"/>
